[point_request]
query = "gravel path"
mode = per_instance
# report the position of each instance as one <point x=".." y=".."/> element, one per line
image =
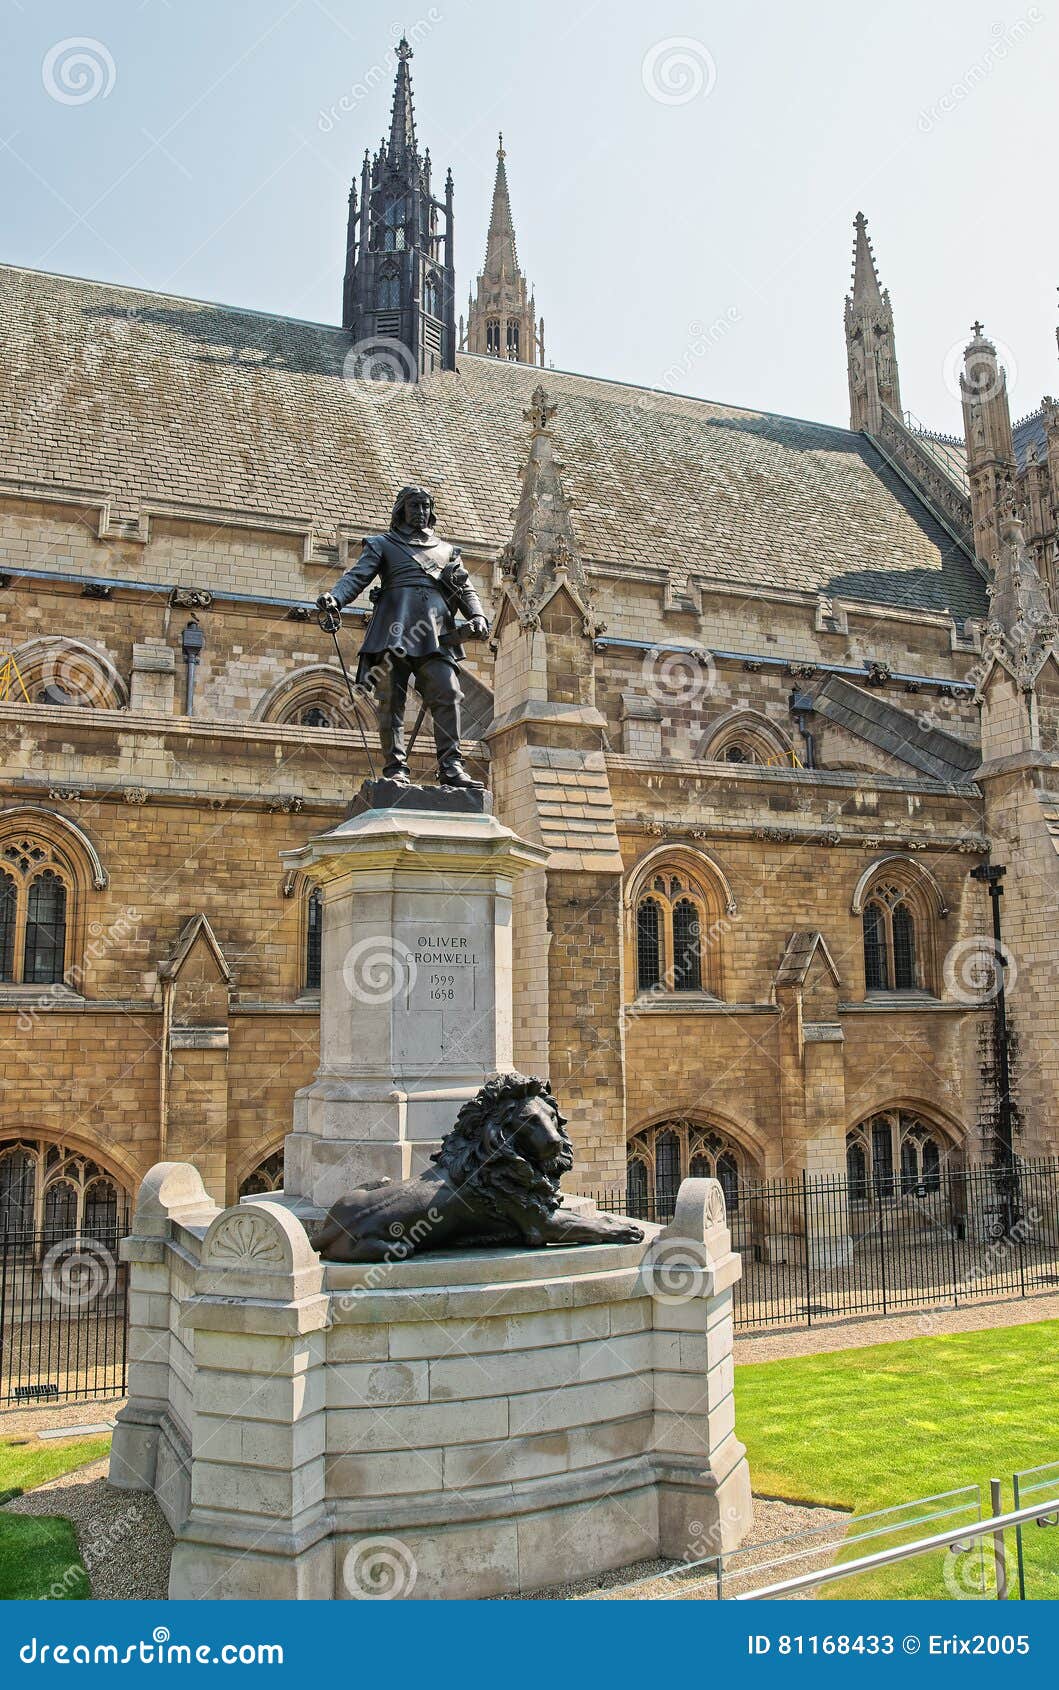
<point x="124" y="1540"/>
<point x="917" y="1323"/>
<point x="24" y="1422"/>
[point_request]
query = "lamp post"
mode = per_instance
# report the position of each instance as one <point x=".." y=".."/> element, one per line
<point x="191" y="643"/>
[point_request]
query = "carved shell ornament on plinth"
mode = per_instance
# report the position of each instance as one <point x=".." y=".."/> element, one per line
<point x="246" y="1239"/>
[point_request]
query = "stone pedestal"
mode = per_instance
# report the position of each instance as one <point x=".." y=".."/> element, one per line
<point x="415" y="1002"/>
<point x="462" y="1425"/>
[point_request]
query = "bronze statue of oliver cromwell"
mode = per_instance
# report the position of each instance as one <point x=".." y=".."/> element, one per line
<point x="413" y="631"/>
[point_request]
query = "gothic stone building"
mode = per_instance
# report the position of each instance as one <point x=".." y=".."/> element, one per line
<point x="746" y="684"/>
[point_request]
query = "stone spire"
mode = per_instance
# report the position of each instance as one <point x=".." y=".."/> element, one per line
<point x="399" y="293"/>
<point x="501" y="258"/>
<point x="402" y="144"/>
<point x="871" y="352"/>
<point x="990" y="449"/>
<point x="543" y="554"/>
<point x="501" y="312"/>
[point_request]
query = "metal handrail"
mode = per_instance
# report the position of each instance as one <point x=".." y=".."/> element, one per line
<point x="995" y="1525"/>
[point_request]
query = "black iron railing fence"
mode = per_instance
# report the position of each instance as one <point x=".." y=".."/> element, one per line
<point x="820" y="1247"/>
<point x="63" y="1315"/>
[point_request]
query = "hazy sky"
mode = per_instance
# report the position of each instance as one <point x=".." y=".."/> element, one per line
<point x="684" y="177"/>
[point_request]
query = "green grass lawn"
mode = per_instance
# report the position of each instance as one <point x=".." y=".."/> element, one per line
<point x="40" y="1557"/>
<point x="867" y="1428"/>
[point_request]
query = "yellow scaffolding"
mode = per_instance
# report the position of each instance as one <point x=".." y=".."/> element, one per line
<point x="11" y="682"/>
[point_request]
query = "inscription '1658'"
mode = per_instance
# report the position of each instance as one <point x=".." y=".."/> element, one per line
<point x="445" y="966"/>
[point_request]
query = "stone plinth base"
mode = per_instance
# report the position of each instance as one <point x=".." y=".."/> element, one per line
<point x="455" y="1425"/>
<point x="415" y="999"/>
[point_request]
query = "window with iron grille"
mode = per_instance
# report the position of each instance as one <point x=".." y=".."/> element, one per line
<point x="677" y="938"/>
<point x="660" y="1157"/>
<point x="8" y="923"/>
<point x="892" y="956"/>
<point x="33" y="915"/>
<point x="894" y="1153"/>
<point x="313" y="935"/>
<point x="876" y="966"/>
<point x="45" y="930"/>
<point x="687" y="961"/>
<point x="648" y="944"/>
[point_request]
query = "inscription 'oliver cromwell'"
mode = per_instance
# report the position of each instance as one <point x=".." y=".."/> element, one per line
<point x="444" y="973"/>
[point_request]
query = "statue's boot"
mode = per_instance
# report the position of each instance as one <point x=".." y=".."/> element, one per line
<point x="456" y="773"/>
<point x="395" y="758"/>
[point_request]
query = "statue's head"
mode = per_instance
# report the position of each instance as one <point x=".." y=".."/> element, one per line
<point x="413" y="508"/>
<point x="510" y="1139"/>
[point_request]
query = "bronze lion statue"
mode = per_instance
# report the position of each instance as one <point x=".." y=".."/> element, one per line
<point x="495" y="1181"/>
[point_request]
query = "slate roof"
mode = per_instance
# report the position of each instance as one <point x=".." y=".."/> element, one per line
<point x="147" y="397"/>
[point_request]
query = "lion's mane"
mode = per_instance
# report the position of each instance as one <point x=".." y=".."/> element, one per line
<point x="479" y="1153"/>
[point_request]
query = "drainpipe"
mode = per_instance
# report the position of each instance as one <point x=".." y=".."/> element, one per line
<point x="191" y="643"/>
<point x="990" y="876"/>
<point x="163" y="1078"/>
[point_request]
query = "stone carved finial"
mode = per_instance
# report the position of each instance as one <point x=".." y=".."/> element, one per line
<point x="543" y="554"/>
<point x="1022" y="629"/>
<point x="259" y="1250"/>
<point x="681" y="1263"/>
<point x="171" y="1192"/>
<point x="540" y="413"/>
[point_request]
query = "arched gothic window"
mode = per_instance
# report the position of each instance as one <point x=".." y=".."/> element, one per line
<point x="492" y="337"/>
<point x="48" y="1193"/>
<point x="746" y="736"/>
<point x="267" y="1176"/>
<point x="393" y="220"/>
<point x="663" y="1155"/>
<point x="389" y="292"/>
<point x="893" y="1154"/>
<point x="676" y="932"/>
<point x="891" y="959"/>
<point x="33" y="913"/>
<point x="432" y="295"/>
